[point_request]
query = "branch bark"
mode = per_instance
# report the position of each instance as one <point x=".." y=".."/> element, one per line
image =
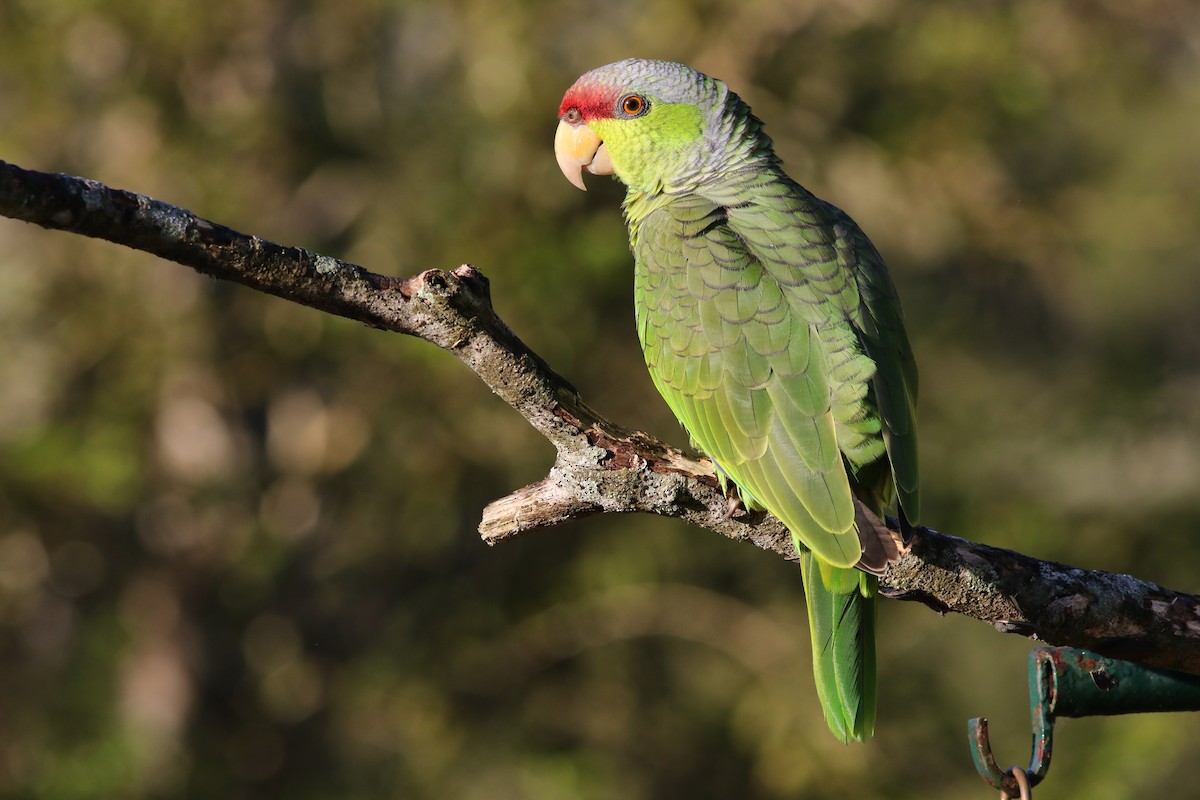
<point x="600" y="466"/>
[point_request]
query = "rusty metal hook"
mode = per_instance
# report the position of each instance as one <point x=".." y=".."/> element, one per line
<point x="1065" y="682"/>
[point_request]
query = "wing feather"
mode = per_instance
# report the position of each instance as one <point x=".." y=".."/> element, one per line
<point x="773" y="331"/>
<point x="747" y="375"/>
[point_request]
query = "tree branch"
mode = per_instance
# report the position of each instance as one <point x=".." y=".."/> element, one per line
<point x="602" y="467"/>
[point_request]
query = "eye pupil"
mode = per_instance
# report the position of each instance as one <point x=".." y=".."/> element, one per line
<point x="633" y="105"/>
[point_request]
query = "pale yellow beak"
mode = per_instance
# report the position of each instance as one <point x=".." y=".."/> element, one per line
<point x="577" y="147"/>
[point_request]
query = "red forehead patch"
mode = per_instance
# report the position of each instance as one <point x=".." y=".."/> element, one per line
<point x="592" y="100"/>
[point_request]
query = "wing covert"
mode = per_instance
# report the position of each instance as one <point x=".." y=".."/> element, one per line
<point x="743" y="371"/>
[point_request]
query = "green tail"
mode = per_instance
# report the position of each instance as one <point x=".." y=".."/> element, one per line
<point x="841" y="619"/>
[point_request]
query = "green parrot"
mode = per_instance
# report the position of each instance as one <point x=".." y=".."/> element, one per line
<point x="773" y="331"/>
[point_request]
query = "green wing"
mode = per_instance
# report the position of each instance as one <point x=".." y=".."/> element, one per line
<point x="743" y="373"/>
<point x="879" y="323"/>
<point x="773" y="332"/>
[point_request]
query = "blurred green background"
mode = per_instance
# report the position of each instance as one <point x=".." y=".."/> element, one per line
<point x="237" y="545"/>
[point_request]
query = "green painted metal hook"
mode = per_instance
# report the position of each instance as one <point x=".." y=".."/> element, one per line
<point x="1065" y="682"/>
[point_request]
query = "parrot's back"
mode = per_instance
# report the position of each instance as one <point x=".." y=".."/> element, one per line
<point x="771" y="328"/>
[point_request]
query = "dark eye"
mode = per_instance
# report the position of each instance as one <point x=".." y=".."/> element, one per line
<point x="633" y="105"/>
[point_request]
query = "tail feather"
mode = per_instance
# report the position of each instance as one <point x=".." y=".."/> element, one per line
<point x="841" y="619"/>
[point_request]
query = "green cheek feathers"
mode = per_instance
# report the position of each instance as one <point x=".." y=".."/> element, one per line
<point x="646" y="150"/>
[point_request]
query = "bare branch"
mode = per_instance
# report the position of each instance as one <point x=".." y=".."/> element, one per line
<point x="602" y="467"/>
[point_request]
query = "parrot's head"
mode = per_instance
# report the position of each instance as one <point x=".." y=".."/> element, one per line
<point x="656" y="125"/>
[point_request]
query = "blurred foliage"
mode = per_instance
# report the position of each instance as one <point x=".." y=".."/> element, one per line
<point x="237" y="547"/>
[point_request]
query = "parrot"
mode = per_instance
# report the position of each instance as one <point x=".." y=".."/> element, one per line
<point x="773" y="331"/>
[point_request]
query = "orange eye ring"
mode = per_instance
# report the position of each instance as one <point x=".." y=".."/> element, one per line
<point x="633" y="105"/>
